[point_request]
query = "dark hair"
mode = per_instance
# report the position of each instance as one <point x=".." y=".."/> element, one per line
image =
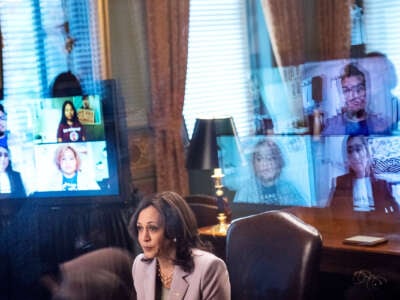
<point x="63" y="118"/>
<point x="179" y="222"/>
<point x="351" y="70"/>
<point x="2" y="108"/>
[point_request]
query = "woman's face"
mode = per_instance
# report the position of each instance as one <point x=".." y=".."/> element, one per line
<point x="4" y="159"/>
<point x="266" y="165"/>
<point x="151" y="234"/>
<point x="68" y="163"/>
<point x="69" y="112"/>
<point x="357" y="156"/>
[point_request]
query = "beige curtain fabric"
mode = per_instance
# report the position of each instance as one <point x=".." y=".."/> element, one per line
<point x="167" y="32"/>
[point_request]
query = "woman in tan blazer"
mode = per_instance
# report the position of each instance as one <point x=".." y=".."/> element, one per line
<point x="174" y="263"/>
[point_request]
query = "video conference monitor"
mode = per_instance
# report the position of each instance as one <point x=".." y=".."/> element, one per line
<point x="58" y="150"/>
<point x="327" y="88"/>
<point x="265" y="170"/>
<point x="282" y="171"/>
<point x="340" y="149"/>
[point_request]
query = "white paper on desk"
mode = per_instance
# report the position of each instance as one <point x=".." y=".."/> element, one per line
<point x="365" y="240"/>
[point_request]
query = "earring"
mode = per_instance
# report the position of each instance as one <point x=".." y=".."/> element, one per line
<point x="174" y="239"/>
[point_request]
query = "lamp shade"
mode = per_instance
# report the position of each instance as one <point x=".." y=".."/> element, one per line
<point x="203" y="148"/>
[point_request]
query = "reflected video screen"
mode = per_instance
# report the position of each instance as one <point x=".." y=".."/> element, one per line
<point x="266" y="170"/>
<point x="56" y="147"/>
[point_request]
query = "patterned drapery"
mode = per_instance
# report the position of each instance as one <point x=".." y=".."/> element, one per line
<point x="334" y="28"/>
<point x="293" y="23"/>
<point x="167" y="32"/>
<point x="286" y="22"/>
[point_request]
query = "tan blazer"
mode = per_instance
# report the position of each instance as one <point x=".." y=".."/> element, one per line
<point x="209" y="279"/>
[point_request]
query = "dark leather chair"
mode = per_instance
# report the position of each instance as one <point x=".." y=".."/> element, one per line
<point x="205" y="209"/>
<point x="273" y="255"/>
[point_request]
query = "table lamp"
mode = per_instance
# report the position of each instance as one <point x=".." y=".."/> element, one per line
<point x="204" y="154"/>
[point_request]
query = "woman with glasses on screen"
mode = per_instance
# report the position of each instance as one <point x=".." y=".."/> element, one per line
<point x="10" y="181"/>
<point x="265" y="184"/>
<point x="359" y="189"/>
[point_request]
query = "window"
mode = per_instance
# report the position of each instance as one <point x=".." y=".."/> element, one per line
<point x="34" y="45"/>
<point x="383" y="34"/>
<point x="218" y="73"/>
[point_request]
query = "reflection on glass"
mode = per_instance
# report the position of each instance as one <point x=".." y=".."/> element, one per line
<point x="264" y="182"/>
<point x="359" y="189"/>
<point x="354" y="117"/>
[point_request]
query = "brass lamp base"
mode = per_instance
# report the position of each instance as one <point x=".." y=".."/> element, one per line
<point x="222" y="226"/>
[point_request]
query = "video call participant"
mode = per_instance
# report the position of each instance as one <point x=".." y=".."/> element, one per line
<point x="3" y="127"/>
<point x="85" y="112"/>
<point x="86" y="102"/>
<point x="70" y="176"/>
<point x="355" y="119"/>
<point x="359" y="189"/>
<point x="70" y="128"/>
<point x="265" y="184"/>
<point x="10" y="180"/>
<point x="174" y="260"/>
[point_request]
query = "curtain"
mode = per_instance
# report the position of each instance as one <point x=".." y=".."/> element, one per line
<point x="334" y="28"/>
<point x="285" y="22"/>
<point x="288" y="24"/>
<point x="297" y="28"/>
<point x="167" y="32"/>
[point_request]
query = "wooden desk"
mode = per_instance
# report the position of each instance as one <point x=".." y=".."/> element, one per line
<point x="346" y="259"/>
<point x="334" y="228"/>
<point x="216" y="238"/>
<point x="339" y="262"/>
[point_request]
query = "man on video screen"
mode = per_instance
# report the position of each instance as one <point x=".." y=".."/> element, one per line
<point x="354" y="118"/>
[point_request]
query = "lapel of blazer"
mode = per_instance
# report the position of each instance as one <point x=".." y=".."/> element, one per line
<point x="149" y="281"/>
<point x="179" y="284"/>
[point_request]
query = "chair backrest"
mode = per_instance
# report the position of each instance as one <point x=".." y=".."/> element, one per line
<point x="273" y="255"/>
<point x="205" y="209"/>
<point x="100" y="274"/>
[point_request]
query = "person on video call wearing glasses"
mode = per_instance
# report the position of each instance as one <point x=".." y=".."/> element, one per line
<point x="355" y="119"/>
